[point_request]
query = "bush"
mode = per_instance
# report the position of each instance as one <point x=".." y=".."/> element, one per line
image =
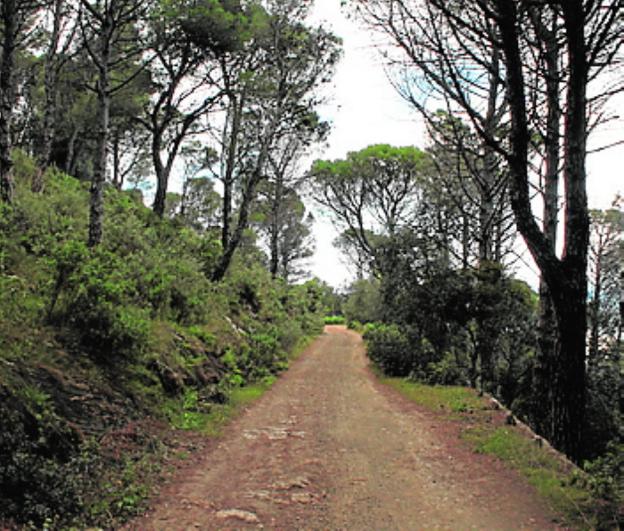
<point x="389" y="349"/>
<point x="100" y="309"/>
<point x="40" y="478"/>
<point x="334" y="320"/>
<point x="444" y="372"/>
<point x="606" y="481"/>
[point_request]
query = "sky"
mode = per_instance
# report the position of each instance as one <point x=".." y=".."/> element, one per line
<point x="364" y="109"/>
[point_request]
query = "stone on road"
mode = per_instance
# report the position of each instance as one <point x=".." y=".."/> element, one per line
<point x="328" y="447"/>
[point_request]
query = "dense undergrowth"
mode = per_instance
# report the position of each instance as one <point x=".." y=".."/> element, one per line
<point x="103" y="350"/>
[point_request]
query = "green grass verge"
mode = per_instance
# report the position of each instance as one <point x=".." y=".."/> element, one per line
<point x="438" y="398"/>
<point x="551" y="477"/>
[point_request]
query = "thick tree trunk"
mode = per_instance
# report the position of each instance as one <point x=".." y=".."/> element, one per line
<point x="8" y="15"/>
<point x="569" y="380"/>
<point x="547" y="335"/>
<point x="162" y="179"/>
<point x="566" y="278"/>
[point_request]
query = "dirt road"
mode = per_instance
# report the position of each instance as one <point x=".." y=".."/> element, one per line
<point x="330" y="448"/>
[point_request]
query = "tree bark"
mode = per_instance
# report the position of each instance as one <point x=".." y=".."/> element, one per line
<point x="566" y="278"/>
<point x="594" y="310"/>
<point x="71" y="151"/>
<point x="160" y="198"/>
<point x="9" y="16"/>
<point x="51" y="72"/>
<point x="275" y="226"/>
<point x="243" y="216"/>
<point x="96" y="204"/>
<point x="547" y="336"/>
<point x="236" y="109"/>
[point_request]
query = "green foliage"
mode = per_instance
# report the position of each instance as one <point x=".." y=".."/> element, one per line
<point x="605" y="480"/>
<point x="220" y="26"/>
<point x="363" y="302"/>
<point x="40" y="471"/>
<point x="334" y="320"/>
<point x="390" y="349"/>
<point x="93" y="338"/>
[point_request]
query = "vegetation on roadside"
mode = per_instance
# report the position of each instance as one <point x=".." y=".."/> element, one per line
<point x="103" y="351"/>
<point x="583" y="499"/>
<point x="477" y="329"/>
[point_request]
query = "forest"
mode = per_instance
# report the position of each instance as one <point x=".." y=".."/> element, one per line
<point x="156" y="216"/>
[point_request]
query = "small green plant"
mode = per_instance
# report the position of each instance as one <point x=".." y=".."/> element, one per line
<point x="334" y="320"/>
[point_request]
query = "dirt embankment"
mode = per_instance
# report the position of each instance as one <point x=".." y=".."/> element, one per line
<point x="329" y="448"/>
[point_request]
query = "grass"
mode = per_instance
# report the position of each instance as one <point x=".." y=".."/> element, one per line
<point x="334" y="320"/>
<point x="438" y="398"/>
<point x="553" y="479"/>
<point x="300" y="347"/>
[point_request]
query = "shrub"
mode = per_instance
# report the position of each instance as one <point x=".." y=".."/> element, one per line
<point x="389" y="349"/>
<point x="606" y="481"/>
<point x="100" y="309"/>
<point x="40" y="471"/>
<point x="334" y="320"/>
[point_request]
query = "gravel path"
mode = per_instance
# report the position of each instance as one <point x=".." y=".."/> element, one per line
<point x="330" y="448"/>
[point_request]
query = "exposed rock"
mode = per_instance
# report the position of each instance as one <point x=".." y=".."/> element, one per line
<point x="302" y="497"/>
<point x="238" y="514"/>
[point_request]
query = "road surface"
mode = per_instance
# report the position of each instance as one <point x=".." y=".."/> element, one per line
<point x="328" y="447"/>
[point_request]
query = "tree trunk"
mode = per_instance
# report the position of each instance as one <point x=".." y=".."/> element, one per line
<point x="275" y="227"/>
<point x="71" y="151"/>
<point x="566" y="278"/>
<point x="465" y="241"/>
<point x="9" y="21"/>
<point x="96" y="214"/>
<point x="243" y="217"/>
<point x="162" y="178"/>
<point x="594" y="309"/>
<point x="117" y="173"/>
<point x="51" y="71"/>
<point x="236" y="110"/>
<point x="96" y="217"/>
<point x="569" y="381"/>
<point x="234" y="240"/>
<point x="547" y="336"/>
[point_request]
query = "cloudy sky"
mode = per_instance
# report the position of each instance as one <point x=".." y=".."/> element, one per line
<point x="364" y="109"/>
